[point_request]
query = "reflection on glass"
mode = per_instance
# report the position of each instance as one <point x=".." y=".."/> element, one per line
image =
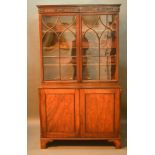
<point x="107" y="72"/>
<point x="90" y="60"/>
<point x="59" y="47"/>
<point x="90" y="52"/>
<point x="99" y="47"/>
<point x="68" y="44"/>
<point x="90" y="72"/>
<point x="51" y="72"/>
<point x="67" y="20"/>
<point x="68" y="53"/>
<point x="68" y="60"/>
<point x="68" y="72"/>
<point x="111" y="60"/>
<point x="107" y="51"/>
<point x="50" y="60"/>
<point x="49" y="39"/>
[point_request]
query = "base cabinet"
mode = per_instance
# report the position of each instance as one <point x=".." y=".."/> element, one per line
<point x="80" y="114"/>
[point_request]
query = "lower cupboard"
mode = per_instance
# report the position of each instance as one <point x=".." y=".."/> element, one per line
<point x="80" y="114"/>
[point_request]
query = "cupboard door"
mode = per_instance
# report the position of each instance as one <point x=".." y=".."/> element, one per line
<point x="99" y="112"/>
<point x="59" y="111"/>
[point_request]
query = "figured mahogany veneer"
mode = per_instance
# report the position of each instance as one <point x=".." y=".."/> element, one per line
<point x="76" y="104"/>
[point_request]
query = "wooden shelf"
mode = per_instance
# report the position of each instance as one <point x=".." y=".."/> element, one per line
<point x="83" y="64"/>
<point x="59" y="57"/>
<point x="53" y="47"/>
<point x="87" y="47"/>
<point x="73" y="47"/>
<point x="89" y="56"/>
<point x="97" y="46"/>
<point x="106" y="48"/>
<point x="60" y="64"/>
<point x="100" y="64"/>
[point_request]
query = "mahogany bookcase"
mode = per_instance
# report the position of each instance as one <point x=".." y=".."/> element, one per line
<point x="79" y="95"/>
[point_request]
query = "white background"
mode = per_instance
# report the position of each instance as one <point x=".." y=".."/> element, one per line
<point x="141" y="77"/>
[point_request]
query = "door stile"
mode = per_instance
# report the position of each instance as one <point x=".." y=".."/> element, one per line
<point x="82" y="112"/>
<point x="77" y="112"/>
<point x="117" y="48"/>
<point x="40" y="37"/>
<point x="78" y="46"/>
<point x="117" y="112"/>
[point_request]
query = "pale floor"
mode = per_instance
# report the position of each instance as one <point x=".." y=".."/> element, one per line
<point x="72" y="147"/>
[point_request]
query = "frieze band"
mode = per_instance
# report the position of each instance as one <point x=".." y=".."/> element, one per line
<point x="79" y="9"/>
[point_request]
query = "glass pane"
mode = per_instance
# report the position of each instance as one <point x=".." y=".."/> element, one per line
<point x="91" y="60"/>
<point x="107" y="72"/>
<point x="51" y="72"/>
<point x="67" y="44"/>
<point x="67" y="20"/>
<point x="68" y="53"/>
<point x="68" y="72"/>
<point x="107" y="67"/>
<point x="99" y="45"/>
<point x="108" y="60"/>
<point x="51" y="52"/>
<point x="50" y="60"/>
<point x="90" y="72"/>
<point x="49" y="21"/>
<point x="68" y="60"/>
<point x="50" y="44"/>
<point x="59" y="47"/>
<point x="90" y="52"/>
<point x="108" y="52"/>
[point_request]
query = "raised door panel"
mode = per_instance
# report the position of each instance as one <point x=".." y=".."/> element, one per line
<point x="100" y="112"/>
<point x="60" y="107"/>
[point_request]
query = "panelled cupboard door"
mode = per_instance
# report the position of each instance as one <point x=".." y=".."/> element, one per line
<point x="59" y="113"/>
<point x="100" y="112"/>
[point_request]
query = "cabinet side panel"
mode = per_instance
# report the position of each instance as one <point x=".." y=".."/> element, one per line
<point x="117" y="111"/>
<point x="42" y="113"/>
